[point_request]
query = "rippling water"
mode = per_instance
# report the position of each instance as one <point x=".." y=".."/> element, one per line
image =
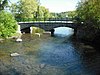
<point x="48" y="56"/>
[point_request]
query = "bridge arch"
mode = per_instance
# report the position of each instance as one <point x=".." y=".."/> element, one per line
<point x="64" y="31"/>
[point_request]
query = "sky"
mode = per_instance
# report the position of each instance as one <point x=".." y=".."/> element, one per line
<point x="57" y="5"/>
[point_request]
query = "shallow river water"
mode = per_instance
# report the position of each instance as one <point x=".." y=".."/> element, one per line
<point x="48" y="55"/>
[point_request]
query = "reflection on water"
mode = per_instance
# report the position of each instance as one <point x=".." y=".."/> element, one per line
<point x="48" y="56"/>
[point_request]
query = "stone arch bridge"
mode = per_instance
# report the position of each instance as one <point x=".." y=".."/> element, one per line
<point x="47" y="25"/>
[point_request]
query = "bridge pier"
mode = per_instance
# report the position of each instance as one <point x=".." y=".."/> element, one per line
<point x="18" y="30"/>
<point x="52" y="32"/>
<point x="31" y="29"/>
<point x="75" y="32"/>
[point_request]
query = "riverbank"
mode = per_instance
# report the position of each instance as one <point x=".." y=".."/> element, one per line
<point x="14" y="36"/>
<point x="88" y="34"/>
<point x="95" y="43"/>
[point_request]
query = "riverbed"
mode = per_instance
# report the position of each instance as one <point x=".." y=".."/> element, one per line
<point x="46" y="55"/>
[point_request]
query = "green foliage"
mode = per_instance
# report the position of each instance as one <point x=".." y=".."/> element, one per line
<point x="8" y="25"/>
<point x="67" y="14"/>
<point x="14" y="9"/>
<point x="28" y="9"/>
<point x="43" y="13"/>
<point x="37" y="30"/>
<point x="71" y="14"/>
<point x="3" y="3"/>
<point x="24" y="8"/>
<point x="89" y="12"/>
<point x="25" y="19"/>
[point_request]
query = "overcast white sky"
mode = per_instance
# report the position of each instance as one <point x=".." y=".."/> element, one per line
<point x="57" y="5"/>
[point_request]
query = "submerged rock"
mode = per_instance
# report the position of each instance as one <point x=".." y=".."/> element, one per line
<point x="42" y="65"/>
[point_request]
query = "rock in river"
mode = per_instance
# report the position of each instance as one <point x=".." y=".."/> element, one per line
<point x="14" y="54"/>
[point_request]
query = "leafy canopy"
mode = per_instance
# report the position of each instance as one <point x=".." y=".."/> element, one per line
<point x="29" y="10"/>
<point x="8" y="24"/>
<point x="89" y="12"/>
<point x="26" y="8"/>
<point x="3" y="3"/>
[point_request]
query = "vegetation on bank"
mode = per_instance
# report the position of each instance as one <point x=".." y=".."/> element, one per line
<point x="89" y="13"/>
<point x="67" y="14"/>
<point x="8" y="24"/>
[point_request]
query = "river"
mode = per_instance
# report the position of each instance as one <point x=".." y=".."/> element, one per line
<point x="47" y="55"/>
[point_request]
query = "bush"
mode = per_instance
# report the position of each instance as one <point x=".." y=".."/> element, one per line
<point x="8" y="24"/>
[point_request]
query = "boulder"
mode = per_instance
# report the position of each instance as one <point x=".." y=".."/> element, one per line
<point x="18" y="40"/>
<point x="14" y="54"/>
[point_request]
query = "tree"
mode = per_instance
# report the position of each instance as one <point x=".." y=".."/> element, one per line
<point x="71" y="14"/>
<point x="26" y="8"/>
<point x="29" y="9"/>
<point x="3" y="4"/>
<point x="44" y="13"/>
<point x="8" y="24"/>
<point x="14" y="9"/>
<point x="89" y="12"/>
<point x="67" y="14"/>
